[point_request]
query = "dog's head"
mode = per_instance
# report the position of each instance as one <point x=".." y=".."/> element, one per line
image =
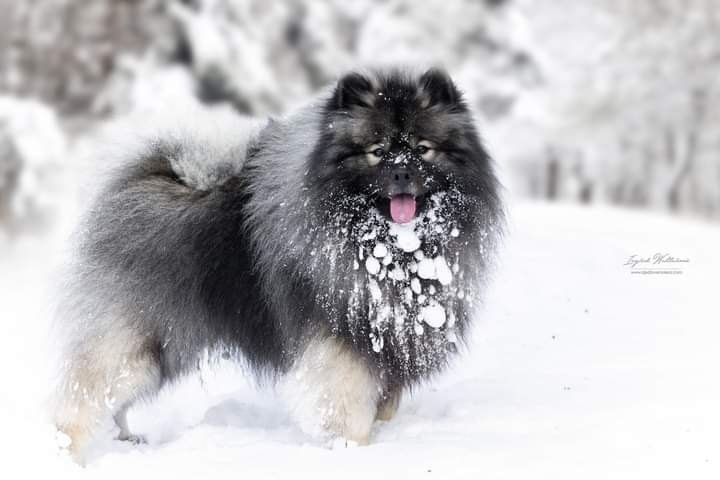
<point x="395" y="139"/>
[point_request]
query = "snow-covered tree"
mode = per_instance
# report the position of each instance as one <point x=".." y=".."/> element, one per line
<point x="32" y="149"/>
<point x="609" y="101"/>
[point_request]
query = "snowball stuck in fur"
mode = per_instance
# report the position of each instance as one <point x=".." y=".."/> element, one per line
<point x="372" y="265"/>
<point x="405" y="237"/>
<point x="433" y="315"/>
<point x="426" y="269"/>
<point x="415" y="285"/>
<point x="380" y="250"/>
<point x="444" y="275"/>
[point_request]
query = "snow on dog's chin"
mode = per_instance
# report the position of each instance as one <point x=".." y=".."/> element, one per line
<point x="412" y="275"/>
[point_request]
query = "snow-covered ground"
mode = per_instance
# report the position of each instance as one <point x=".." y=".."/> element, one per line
<point x="578" y="369"/>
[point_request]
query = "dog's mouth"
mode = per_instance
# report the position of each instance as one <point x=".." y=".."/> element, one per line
<point x="401" y="208"/>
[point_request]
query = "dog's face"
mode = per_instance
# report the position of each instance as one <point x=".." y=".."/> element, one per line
<point x="395" y="140"/>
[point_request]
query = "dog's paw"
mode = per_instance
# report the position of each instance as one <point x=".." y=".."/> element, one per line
<point x="130" y="438"/>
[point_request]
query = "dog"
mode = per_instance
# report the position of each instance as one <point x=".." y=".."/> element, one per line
<point x="345" y="245"/>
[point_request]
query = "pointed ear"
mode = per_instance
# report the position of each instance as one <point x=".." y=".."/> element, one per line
<point x="353" y="89"/>
<point x="439" y="87"/>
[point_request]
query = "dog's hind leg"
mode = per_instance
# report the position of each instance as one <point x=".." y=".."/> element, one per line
<point x="102" y="378"/>
<point x="121" y="421"/>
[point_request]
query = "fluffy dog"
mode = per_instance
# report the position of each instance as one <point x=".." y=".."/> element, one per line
<point x="347" y="244"/>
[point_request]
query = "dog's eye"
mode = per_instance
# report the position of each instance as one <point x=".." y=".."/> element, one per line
<point x="374" y="154"/>
<point x="424" y="149"/>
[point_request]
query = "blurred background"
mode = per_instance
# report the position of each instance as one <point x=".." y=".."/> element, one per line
<point x="605" y="101"/>
<point x="590" y="108"/>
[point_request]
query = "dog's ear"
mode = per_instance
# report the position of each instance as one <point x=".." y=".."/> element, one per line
<point x="438" y="87"/>
<point x="354" y="89"/>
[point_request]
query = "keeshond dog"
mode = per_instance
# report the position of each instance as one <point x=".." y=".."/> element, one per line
<point x="345" y="246"/>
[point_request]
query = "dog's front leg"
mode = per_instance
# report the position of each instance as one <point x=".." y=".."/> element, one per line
<point x="336" y="389"/>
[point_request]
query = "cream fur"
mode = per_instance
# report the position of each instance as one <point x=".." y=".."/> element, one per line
<point x="102" y="378"/>
<point x="337" y="391"/>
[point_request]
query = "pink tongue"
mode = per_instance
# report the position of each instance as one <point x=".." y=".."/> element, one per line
<point x="402" y="208"/>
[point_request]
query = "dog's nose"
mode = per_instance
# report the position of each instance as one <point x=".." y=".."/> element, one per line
<point x="402" y="179"/>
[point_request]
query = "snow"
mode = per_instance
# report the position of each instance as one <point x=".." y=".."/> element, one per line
<point x="433" y="315"/>
<point x="444" y="275"/>
<point x="397" y="274"/>
<point x="426" y="269"/>
<point x="409" y="300"/>
<point x="387" y="259"/>
<point x="576" y="368"/>
<point x="372" y="265"/>
<point x="405" y="237"/>
<point x="380" y="250"/>
<point x="415" y="285"/>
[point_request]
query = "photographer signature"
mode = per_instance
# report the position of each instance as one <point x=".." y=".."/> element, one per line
<point x="657" y="263"/>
